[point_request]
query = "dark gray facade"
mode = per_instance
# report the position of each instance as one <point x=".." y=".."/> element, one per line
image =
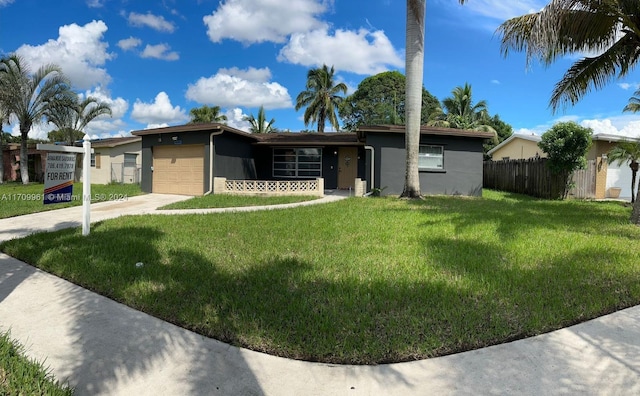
<point x="461" y="174"/>
<point x="380" y="155"/>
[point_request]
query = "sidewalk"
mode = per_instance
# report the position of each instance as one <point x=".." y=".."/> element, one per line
<point x="104" y="348"/>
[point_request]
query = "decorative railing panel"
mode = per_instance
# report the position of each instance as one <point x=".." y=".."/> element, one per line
<point x="269" y="187"/>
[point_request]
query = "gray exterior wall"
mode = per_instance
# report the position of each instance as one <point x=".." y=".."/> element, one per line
<point x="233" y="155"/>
<point x="462" y="173"/>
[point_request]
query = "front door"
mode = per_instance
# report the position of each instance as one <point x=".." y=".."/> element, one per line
<point x="347" y="167"/>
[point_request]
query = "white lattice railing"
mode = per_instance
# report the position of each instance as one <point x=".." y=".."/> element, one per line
<point x="269" y="187"/>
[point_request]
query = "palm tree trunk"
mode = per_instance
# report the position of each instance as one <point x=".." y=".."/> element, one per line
<point x="414" y="67"/>
<point x="635" y="213"/>
<point x="1" y="154"/>
<point x="24" y="163"/>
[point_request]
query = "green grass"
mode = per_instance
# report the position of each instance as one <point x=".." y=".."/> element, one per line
<point x="362" y="280"/>
<point x="234" y="201"/>
<point x="17" y="199"/>
<point x="22" y="376"/>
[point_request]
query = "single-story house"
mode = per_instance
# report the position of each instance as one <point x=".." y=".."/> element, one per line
<point x="11" y="162"/>
<point x="517" y="146"/>
<point x="609" y="176"/>
<point x="116" y="160"/>
<point x="188" y="159"/>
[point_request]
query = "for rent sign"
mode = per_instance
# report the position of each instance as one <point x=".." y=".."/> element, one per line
<point x="59" y="175"/>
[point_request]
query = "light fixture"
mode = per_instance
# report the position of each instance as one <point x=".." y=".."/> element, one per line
<point x="174" y="138"/>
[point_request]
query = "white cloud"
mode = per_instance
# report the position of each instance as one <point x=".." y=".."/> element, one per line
<point x="235" y="119"/>
<point x="129" y="43"/>
<point x="158" y="112"/>
<point x="362" y="52"/>
<point x="497" y="82"/>
<point x="5" y="2"/>
<point x="626" y="125"/>
<point x="501" y="9"/>
<point x="79" y="51"/>
<point x="154" y="126"/>
<point x="37" y="131"/>
<point x="250" y="21"/>
<point x="160" y="51"/>
<point x="149" y="20"/>
<point x="234" y="87"/>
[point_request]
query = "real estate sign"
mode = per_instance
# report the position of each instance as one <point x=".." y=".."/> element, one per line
<point x="59" y="176"/>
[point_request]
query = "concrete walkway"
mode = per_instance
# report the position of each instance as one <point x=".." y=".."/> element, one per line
<point x="105" y="348"/>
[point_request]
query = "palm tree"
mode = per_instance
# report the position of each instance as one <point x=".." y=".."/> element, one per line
<point x="71" y="116"/>
<point x="627" y="152"/>
<point x="321" y="98"/>
<point x="206" y="115"/>
<point x="610" y="29"/>
<point x="414" y="67"/>
<point x="461" y="112"/>
<point x="260" y="125"/>
<point x="26" y="96"/>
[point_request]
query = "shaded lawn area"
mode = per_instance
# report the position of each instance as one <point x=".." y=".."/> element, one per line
<point x="362" y="280"/>
<point x="234" y="201"/>
<point x="17" y="199"/>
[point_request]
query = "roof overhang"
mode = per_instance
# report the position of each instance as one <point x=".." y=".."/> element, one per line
<point x="424" y="130"/>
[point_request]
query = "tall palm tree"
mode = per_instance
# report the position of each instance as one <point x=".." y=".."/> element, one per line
<point x="206" y="115"/>
<point x="414" y="67"/>
<point x="71" y="116"/>
<point x="610" y="29"/>
<point x="260" y="124"/>
<point x="26" y="96"/>
<point x="627" y="152"/>
<point x="321" y="98"/>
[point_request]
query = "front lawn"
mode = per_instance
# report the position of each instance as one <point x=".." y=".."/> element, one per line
<point x="234" y="201"/>
<point x="363" y="280"/>
<point x="17" y="199"/>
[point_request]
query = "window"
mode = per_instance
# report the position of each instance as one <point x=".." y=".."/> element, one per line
<point x="95" y="160"/>
<point x="431" y="157"/>
<point x="130" y="159"/>
<point x="297" y="162"/>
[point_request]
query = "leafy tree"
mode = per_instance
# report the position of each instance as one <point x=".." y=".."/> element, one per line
<point x="206" y="115"/>
<point x="66" y="136"/>
<point x="260" y="124"/>
<point x="380" y="100"/>
<point x="566" y="145"/>
<point x="321" y="98"/>
<point x="627" y="152"/>
<point x="71" y="116"/>
<point x="26" y="96"/>
<point x="414" y="67"/>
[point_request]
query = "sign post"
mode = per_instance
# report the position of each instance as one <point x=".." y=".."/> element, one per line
<point x="59" y="177"/>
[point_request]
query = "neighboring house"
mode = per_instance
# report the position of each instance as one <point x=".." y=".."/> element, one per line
<point x="609" y="176"/>
<point x="517" y="146"/>
<point x="186" y="159"/>
<point x="116" y="160"/>
<point x="11" y="162"/>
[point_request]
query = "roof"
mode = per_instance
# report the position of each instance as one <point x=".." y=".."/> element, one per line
<point x="113" y="142"/>
<point x="213" y="127"/>
<point x="524" y="136"/>
<point x="424" y="130"/>
<point x="308" y="138"/>
<point x="612" y="138"/>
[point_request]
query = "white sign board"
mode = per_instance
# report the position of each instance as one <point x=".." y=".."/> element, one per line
<point x="59" y="175"/>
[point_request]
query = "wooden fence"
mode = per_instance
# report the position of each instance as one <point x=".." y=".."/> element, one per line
<point x="533" y="177"/>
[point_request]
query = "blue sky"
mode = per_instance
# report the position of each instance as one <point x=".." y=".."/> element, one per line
<point x="153" y="61"/>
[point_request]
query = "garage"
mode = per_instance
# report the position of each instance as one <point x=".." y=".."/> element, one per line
<point x="178" y="169"/>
